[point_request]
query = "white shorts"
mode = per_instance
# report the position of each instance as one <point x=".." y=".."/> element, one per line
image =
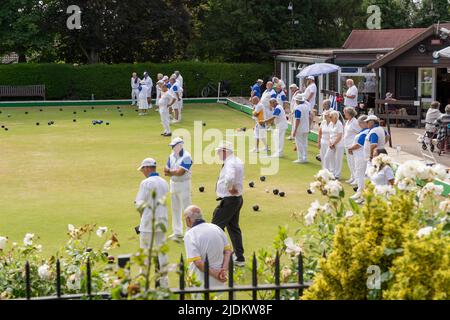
<point x="260" y="132"/>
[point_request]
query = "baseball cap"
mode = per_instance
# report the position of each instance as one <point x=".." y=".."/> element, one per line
<point x="372" y="118"/>
<point x="147" y="162"/>
<point x="225" y="145"/>
<point x="260" y="80"/>
<point x="176" y="141"/>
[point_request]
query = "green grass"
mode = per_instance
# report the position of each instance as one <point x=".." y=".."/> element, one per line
<point x="78" y="173"/>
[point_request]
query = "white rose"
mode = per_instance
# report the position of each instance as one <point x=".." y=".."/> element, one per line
<point x="385" y="191"/>
<point x="3" y="242"/>
<point x="349" y="214"/>
<point x="440" y="172"/>
<point x="70" y="227"/>
<point x="107" y="245"/>
<point x="291" y="248"/>
<point x="39" y="247"/>
<point x="333" y="188"/>
<point x="28" y="239"/>
<point x="73" y="282"/>
<point x="325" y="175"/>
<point x="44" y="272"/>
<point x="425" y="231"/>
<point x="101" y="231"/>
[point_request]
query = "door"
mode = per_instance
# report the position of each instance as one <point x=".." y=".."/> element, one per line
<point x="406" y="84"/>
<point x="427" y="85"/>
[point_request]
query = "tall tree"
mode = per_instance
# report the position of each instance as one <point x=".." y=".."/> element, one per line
<point x="114" y="31"/>
<point x="22" y="27"/>
<point x="428" y="12"/>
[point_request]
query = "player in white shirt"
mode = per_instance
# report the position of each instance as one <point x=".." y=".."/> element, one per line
<point x="229" y="190"/>
<point x="260" y="129"/>
<point x="265" y="97"/>
<point x="294" y="91"/>
<point x="300" y="129"/>
<point x="149" y="83"/>
<point x="135" y="81"/>
<point x="143" y="102"/>
<point x="180" y="81"/>
<point x="279" y="82"/>
<point x="351" y="129"/>
<point x="165" y="105"/>
<point x="281" y="124"/>
<point x="177" y="93"/>
<point x="311" y="91"/>
<point x="206" y="240"/>
<point x="375" y="139"/>
<point x="335" y="150"/>
<point x="158" y="88"/>
<point x="351" y="97"/>
<point x="323" y="138"/>
<point x="178" y="168"/>
<point x="147" y="206"/>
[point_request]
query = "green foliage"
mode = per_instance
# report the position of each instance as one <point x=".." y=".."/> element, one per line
<point x="422" y="272"/>
<point x="64" y="81"/>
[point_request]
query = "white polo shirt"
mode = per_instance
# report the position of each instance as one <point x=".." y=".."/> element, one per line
<point x="184" y="160"/>
<point x="280" y="118"/>
<point x="352" y="91"/>
<point x="265" y="98"/>
<point x="135" y="83"/>
<point x="232" y="174"/>
<point x="351" y="129"/>
<point x="335" y="130"/>
<point x="206" y="239"/>
<point x="301" y="112"/>
<point x="164" y="101"/>
<point x="312" y="88"/>
<point x="375" y="136"/>
<point x="153" y="183"/>
<point x="382" y="177"/>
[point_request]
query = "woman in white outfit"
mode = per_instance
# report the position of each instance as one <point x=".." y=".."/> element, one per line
<point x="143" y="95"/>
<point x="324" y="137"/>
<point x="158" y="88"/>
<point x="335" y="150"/>
<point x="383" y="176"/>
<point x="135" y="81"/>
<point x="351" y="129"/>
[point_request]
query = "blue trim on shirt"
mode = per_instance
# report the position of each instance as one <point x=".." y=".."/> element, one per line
<point x="153" y="174"/>
<point x="277" y="112"/>
<point x="297" y="114"/>
<point x="186" y="163"/>
<point x="373" y="138"/>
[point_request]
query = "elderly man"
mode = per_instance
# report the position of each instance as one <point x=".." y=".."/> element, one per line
<point x="267" y="94"/>
<point x="311" y="91"/>
<point x="300" y="128"/>
<point x="135" y="81"/>
<point x="256" y="89"/>
<point x="176" y="92"/>
<point x="260" y="129"/>
<point x="279" y="118"/>
<point x="150" y="201"/>
<point x="351" y="97"/>
<point x="375" y="139"/>
<point x="206" y="240"/>
<point x="229" y="192"/>
<point x="178" y="168"/>
<point x="165" y="104"/>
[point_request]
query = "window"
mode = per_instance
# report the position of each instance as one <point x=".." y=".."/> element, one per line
<point x="426" y="81"/>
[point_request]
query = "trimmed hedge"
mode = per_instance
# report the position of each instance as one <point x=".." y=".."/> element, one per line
<point x="65" y="81"/>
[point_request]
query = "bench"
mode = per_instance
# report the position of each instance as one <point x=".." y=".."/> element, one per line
<point x="22" y="91"/>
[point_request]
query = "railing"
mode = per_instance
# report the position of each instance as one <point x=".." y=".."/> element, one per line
<point x="384" y="110"/>
<point x="182" y="291"/>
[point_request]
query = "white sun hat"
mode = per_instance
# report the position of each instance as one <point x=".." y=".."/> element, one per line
<point x="225" y="145"/>
<point x="147" y="162"/>
<point x="176" y="141"/>
<point x="372" y="118"/>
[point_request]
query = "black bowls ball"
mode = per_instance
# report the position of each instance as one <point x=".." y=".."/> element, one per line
<point x="275" y="191"/>
<point x="201" y="189"/>
<point x="255" y="207"/>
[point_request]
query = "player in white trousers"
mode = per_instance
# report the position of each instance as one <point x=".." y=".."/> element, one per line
<point x="149" y="83"/>
<point x="135" y="81"/>
<point x="324" y="137"/>
<point x="357" y="151"/>
<point x="260" y="129"/>
<point x="177" y="94"/>
<point x="143" y="101"/>
<point x="300" y="129"/>
<point x="351" y="129"/>
<point x="335" y="150"/>
<point x="178" y="168"/>
<point x="147" y="205"/>
<point x="281" y="124"/>
<point x="158" y="89"/>
<point x="165" y="106"/>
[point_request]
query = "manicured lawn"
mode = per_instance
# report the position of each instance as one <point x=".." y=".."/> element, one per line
<point x="74" y="172"/>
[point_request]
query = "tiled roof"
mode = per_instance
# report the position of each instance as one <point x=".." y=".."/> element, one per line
<point x="385" y="38"/>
